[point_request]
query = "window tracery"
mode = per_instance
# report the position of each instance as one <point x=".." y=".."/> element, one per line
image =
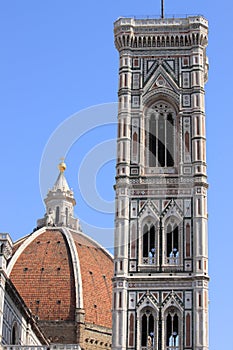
<point x="170" y="243"/>
<point x="148" y="328"/>
<point x="160" y="135"/>
<point x="149" y="243"/>
<point x="173" y="329"/>
<point x="173" y="241"/>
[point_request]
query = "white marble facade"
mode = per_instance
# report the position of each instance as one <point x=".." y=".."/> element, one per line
<point x="160" y="284"/>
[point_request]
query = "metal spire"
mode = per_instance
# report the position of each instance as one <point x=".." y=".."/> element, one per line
<point x="162" y="8"/>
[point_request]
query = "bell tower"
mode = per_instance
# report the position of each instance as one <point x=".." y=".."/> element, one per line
<point x="160" y="284"/>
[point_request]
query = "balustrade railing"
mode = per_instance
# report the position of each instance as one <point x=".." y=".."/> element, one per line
<point x="153" y="261"/>
<point x="173" y="260"/>
<point x="148" y="261"/>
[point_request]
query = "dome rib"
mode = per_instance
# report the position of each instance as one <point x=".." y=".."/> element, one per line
<point x="96" y="271"/>
<point x="76" y="268"/>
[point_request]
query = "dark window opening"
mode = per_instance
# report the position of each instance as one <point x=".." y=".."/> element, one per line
<point x="161" y="141"/>
<point x="148" y="329"/>
<point x="172" y="240"/>
<point x="14" y="335"/>
<point x="170" y="140"/>
<point x="67" y="218"/>
<point x="57" y="215"/>
<point x="172" y="245"/>
<point x="152" y="143"/>
<point x="149" y="241"/>
<point x="172" y="337"/>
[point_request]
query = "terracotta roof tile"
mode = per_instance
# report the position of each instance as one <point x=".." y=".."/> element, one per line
<point x="43" y="275"/>
<point x="96" y="270"/>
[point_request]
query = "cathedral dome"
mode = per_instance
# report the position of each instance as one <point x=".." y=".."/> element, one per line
<point x="63" y="275"/>
<point x="60" y="274"/>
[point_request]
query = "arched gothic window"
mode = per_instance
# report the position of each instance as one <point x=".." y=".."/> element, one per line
<point x="147" y="328"/>
<point x="67" y="216"/>
<point x="57" y="215"/>
<point x="148" y="244"/>
<point x="14" y="334"/>
<point x="161" y="136"/>
<point x="172" y="331"/>
<point x="172" y="243"/>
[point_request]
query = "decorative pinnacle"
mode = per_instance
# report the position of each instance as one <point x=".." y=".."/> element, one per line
<point x="62" y="165"/>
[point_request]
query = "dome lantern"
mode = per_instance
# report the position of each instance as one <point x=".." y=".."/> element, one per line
<point x="60" y="203"/>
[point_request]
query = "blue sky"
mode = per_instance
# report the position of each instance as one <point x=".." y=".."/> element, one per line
<point x="58" y="58"/>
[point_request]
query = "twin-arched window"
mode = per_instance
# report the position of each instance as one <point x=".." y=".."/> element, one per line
<point x="171" y="243"/>
<point x="171" y="331"/>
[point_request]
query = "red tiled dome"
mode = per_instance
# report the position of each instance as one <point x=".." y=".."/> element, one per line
<point x="96" y="271"/>
<point x="58" y="271"/>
